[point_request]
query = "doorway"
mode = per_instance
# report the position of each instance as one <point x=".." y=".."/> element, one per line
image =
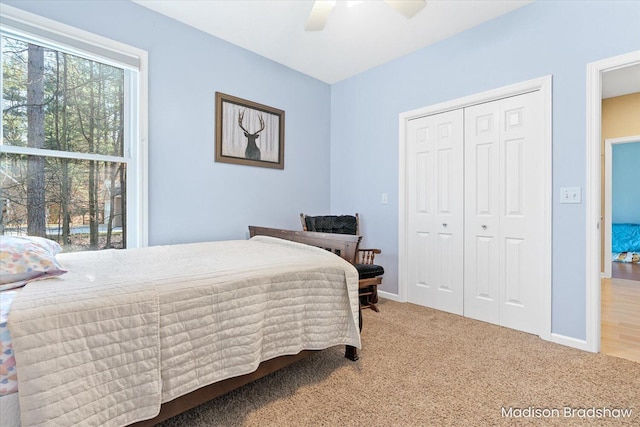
<point x="596" y="295"/>
<point x="622" y="155"/>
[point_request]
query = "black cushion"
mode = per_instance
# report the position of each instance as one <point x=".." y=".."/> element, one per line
<point x="338" y="224"/>
<point x="367" y="271"/>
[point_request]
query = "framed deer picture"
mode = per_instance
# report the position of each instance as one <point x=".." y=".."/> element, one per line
<point x="248" y="133"/>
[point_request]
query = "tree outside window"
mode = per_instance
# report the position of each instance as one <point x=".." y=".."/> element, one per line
<point x="66" y="177"/>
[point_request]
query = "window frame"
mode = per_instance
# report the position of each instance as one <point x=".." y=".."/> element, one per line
<point x="134" y="61"/>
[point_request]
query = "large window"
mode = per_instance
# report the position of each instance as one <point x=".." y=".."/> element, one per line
<point x="72" y="157"/>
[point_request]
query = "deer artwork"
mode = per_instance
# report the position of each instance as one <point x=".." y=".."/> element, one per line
<point x="252" y="152"/>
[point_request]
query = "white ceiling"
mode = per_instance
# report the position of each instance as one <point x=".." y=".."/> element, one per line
<point x="354" y="39"/>
<point x="622" y="81"/>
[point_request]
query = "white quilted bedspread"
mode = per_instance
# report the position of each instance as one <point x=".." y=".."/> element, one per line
<point x="123" y="331"/>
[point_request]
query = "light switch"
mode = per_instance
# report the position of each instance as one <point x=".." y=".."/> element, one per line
<point x="385" y="198"/>
<point x="570" y="195"/>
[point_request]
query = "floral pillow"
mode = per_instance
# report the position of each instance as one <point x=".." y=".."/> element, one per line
<point x="27" y="258"/>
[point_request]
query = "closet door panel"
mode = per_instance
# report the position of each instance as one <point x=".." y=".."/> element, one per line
<point x="421" y="201"/>
<point x="482" y="239"/>
<point x="522" y="215"/>
<point x="435" y="183"/>
<point x="449" y="187"/>
<point x="504" y="211"/>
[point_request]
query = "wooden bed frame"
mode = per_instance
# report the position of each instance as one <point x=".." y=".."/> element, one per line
<point x="345" y="246"/>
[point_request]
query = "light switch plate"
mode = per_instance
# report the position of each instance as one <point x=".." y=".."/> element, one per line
<point x="570" y="195"/>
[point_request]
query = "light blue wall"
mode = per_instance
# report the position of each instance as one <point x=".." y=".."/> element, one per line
<point x="192" y="198"/>
<point x="546" y="37"/>
<point x="625" y="179"/>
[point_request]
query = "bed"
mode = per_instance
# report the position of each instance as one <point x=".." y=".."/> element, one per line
<point x="137" y="336"/>
<point x="625" y="243"/>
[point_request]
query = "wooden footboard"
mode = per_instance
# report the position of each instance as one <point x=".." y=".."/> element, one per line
<point x="345" y="245"/>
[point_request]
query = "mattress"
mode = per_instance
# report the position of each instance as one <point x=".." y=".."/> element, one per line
<point x="124" y="331"/>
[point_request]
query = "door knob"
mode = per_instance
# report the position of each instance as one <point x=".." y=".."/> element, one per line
<point x="484" y="227"/>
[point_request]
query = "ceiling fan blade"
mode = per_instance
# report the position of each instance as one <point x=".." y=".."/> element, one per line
<point x="319" y="15"/>
<point x="408" y="8"/>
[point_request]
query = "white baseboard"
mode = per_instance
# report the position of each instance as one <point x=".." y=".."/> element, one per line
<point x="555" y="338"/>
<point x="570" y="342"/>
<point x="389" y="295"/>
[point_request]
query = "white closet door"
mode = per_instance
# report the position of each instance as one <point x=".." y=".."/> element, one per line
<point x="435" y="203"/>
<point x="504" y="211"/>
<point x="482" y="205"/>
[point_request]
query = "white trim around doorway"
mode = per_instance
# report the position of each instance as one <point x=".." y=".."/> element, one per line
<point x="543" y="85"/>
<point x="593" y="188"/>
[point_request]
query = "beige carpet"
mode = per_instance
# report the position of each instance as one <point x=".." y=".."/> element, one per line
<point x="423" y="367"/>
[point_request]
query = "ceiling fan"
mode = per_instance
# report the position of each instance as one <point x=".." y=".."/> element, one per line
<point x="322" y="8"/>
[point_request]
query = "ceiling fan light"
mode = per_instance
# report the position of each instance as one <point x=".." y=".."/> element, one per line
<point x="319" y="15"/>
<point x="408" y="8"/>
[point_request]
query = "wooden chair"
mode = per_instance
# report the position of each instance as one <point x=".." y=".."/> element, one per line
<point x="370" y="274"/>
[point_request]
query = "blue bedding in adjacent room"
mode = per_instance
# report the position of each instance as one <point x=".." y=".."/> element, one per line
<point x="625" y="238"/>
